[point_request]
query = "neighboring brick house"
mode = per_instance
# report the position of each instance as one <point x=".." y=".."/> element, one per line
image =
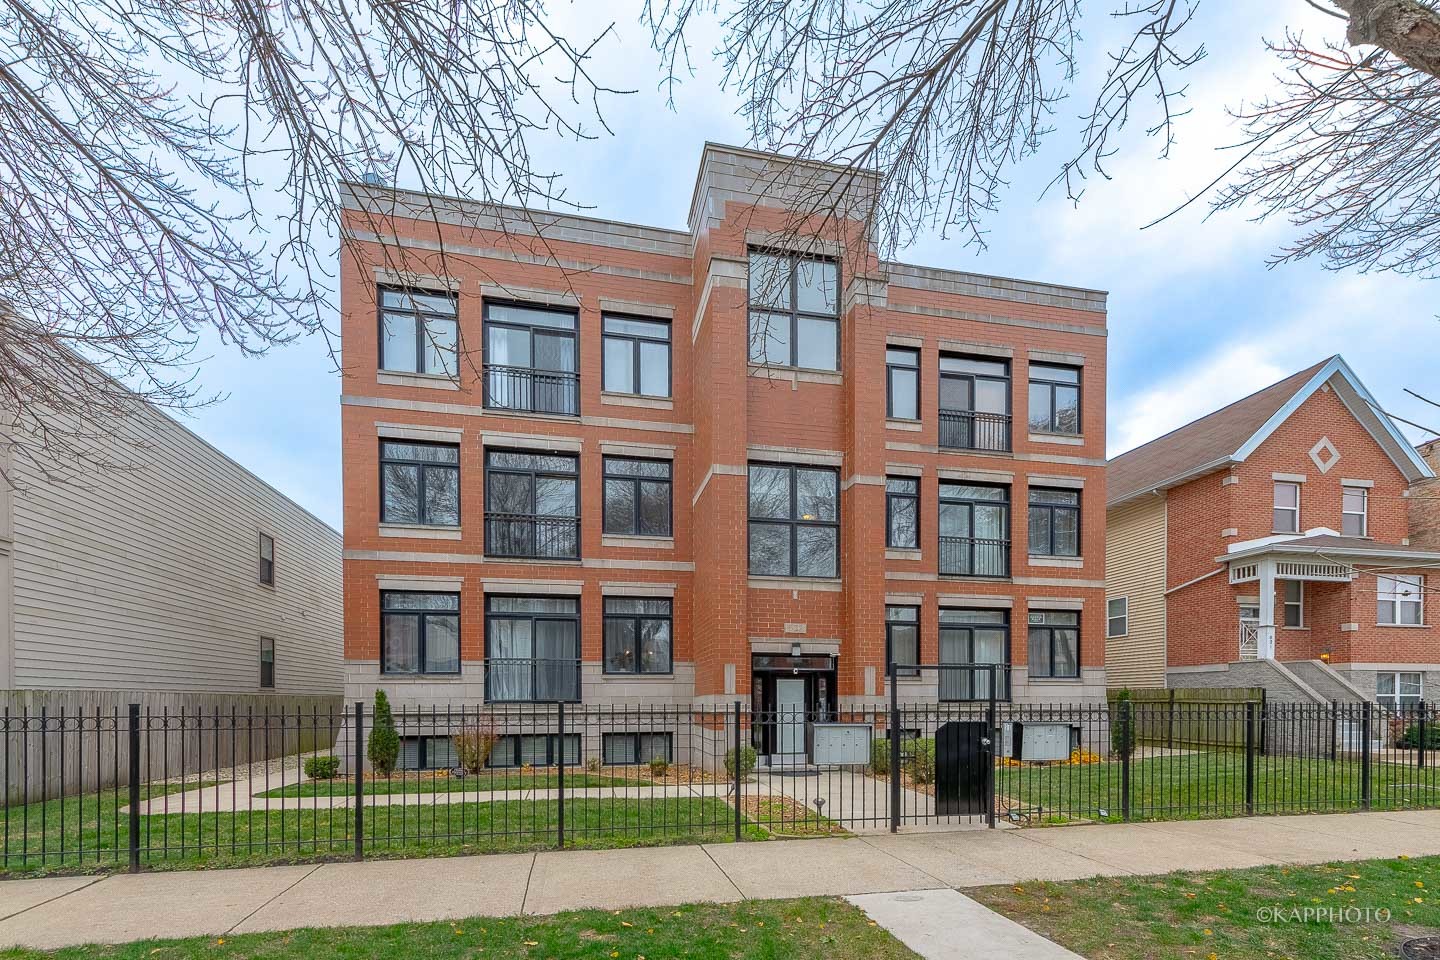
<point x="574" y="470"/>
<point x="1425" y="502"/>
<point x="1269" y="544"/>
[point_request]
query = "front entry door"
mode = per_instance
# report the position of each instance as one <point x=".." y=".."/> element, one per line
<point x="790" y="715"/>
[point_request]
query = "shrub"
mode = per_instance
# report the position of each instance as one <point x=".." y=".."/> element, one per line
<point x="593" y="765"/>
<point x="920" y="761"/>
<point x="880" y="756"/>
<point x="659" y="766"/>
<point x="1122" y="724"/>
<point x="384" y="747"/>
<point x="473" y="744"/>
<point x="1410" y="739"/>
<point x="322" y="768"/>
<point x="747" y="761"/>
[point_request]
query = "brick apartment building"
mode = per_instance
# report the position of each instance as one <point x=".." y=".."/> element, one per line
<point x="1269" y="544"/>
<point x="1425" y="501"/>
<point x="598" y="462"/>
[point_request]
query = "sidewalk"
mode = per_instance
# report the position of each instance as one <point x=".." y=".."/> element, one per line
<point x="55" y="912"/>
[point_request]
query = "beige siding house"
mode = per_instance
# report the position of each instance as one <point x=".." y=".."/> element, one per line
<point x="147" y="582"/>
<point x="1135" y="594"/>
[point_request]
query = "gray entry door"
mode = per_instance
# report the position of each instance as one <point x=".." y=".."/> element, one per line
<point x="790" y="715"/>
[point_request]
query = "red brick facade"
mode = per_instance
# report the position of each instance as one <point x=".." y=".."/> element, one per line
<point x="723" y="414"/>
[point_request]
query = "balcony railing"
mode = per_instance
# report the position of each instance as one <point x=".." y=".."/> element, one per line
<point x="532" y="680"/>
<point x="966" y="681"/>
<point x="973" y="430"/>
<point x="532" y="535"/>
<point x="532" y="390"/>
<point x="974" y="557"/>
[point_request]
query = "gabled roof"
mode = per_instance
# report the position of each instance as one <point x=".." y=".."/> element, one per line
<point x="1232" y="433"/>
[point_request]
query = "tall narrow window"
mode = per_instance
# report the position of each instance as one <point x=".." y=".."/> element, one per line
<point x="267" y="663"/>
<point x="1400" y="599"/>
<point x="418" y="332"/>
<point x="902" y="512"/>
<point x="974" y="403"/>
<point x="1354" y="508"/>
<point x="1054" y="399"/>
<point x="638" y="635"/>
<point x="974" y="530"/>
<point x="532" y="505"/>
<point x="1117" y="613"/>
<point x="1054" y="523"/>
<point x="1055" y="645"/>
<point x="902" y="383"/>
<point x="794" y="311"/>
<point x="1287" y="507"/>
<point x="419" y="483"/>
<point x="531" y="359"/>
<point x="794" y="521"/>
<point x="637" y="356"/>
<point x="974" y="649"/>
<point x="902" y="638"/>
<point x="419" y="632"/>
<point x="532" y="649"/>
<point x="267" y="559"/>
<point x="1294" y="603"/>
<point x="637" y="497"/>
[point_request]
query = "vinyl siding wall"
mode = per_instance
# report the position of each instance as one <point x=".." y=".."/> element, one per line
<point x="148" y="578"/>
<point x="1135" y="569"/>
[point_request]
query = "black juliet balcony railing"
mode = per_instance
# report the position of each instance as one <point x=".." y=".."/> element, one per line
<point x="961" y="682"/>
<point x="974" y="557"/>
<point x="532" y="390"/>
<point x="532" y="535"/>
<point x="532" y="680"/>
<point x="973" y="430"/>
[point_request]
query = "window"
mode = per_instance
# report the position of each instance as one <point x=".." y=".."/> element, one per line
<point x="1117" y="613"/>
<point x="794" y="521"/>
<point x="637" y="356"/>
<point x="1055" y="645"/>
<point x="1054" y="399"/>
<point x="426" y="753"/>
<point x="902" y="513"/>
<point x="419" y="632"/>
<point x="974" y="403"/>
<point x="267" y="559"/>
<point x="534" y="749"/>
<point x="530" y="359"/>
<point x="1287" y="507"/>
<point x="794" y="311"/>
<point x="637" y="497"/>
<point x="1054" y="523"/>
<point x="267" y="663"/>
<point x="1354" y="502"/>
<point x="532" y="505"/>
<point x="623" y="749"/>
<point x="902" y="383"/>
<point x="638" y="635"/>
<point x="902" y="638"/>
<point x="1399" y="599"/>
<point x="1294" y="608"/>
<point x="1399" y="690"/>
<point x="418" y="332"/>
<point x="419" y="483"/>
<point x="971" y="640"/>
<point x="532" y="649"/>
<point x="974" y="530"/>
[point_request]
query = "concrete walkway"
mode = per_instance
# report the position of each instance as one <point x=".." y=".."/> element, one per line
<point x="51" y="913"/>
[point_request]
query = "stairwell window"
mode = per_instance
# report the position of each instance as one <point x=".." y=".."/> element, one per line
<point x="267" y="560"/>
<point x="1354" y="509"/>
<point x="794" y="521"/>
<point x="1399" y="600"/>
<point x="902" y="513"/>
<point x="794" y="311"/>
<point x="1294" y="603"/>
<point x="1287" y="507"/>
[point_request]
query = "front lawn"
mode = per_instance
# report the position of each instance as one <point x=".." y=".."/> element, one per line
<point x="811" y="929"/>
<point x="345" y="787"/>
<point x="1228" y="914"/>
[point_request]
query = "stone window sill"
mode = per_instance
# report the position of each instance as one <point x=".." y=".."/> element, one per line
<point x="644" y="543"/>
<point x="794" y="374"/>
<point x="1069" y="439"/>
<point x="822" y="584"/>
<point x="1069" y="563"/>
<point x="913" y="426"/>
<point x="899" y="553"/>
<point x="429" y="381"/>
<point x="636" y="400"/>
<point x="419" y="532"/>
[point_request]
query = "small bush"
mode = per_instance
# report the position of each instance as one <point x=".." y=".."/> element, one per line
<point x="322" y="768"/>
<point x="1410" y="739"/>
<point x="747" y="761"/>
<point x="659" y="767"/>
<point x="473" y="744"/>
<point x="384" y="748"/>
<point x="920" y="761"/>
<point x="593" y="765"/>
<point x="880" y="756"/>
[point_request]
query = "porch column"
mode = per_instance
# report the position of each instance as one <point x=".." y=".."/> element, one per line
<point x="1265" y="633"/>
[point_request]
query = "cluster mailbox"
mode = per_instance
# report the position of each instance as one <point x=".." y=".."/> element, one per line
<point x="1038" y="741"/>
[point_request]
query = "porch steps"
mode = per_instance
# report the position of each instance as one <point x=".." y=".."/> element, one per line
<point x="1325" y="681"/>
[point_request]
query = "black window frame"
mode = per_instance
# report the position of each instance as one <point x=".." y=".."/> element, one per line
<point x="636" y="618"/>
<point x="422" y="629"/>
<point x="980" y="428"/>
<point x="515" y="741"/>
<point x="611" y="736"/>
<point x="890" y="368"/>
<point x="1052" y="509"/>
<point x="891" y="497"/>
<point x="424" y="467"/>
<point x="492" y="517"/>
<point x="267" y="667"/>
<point x="794" y="523"/>
<point x="492" y="615"/>
<point x="1050" y="629"/>
<point x="420" y="315"/>
<point x="572" y="377"/>
<point x="890" y="625"/>
<point x="1004" y="544"/>
<point x="635" y="339"/>
<point x="792" y="313"/>
<point x="267" y="564"/>
<point x="1051" y="385"/>
<point x="969" y="678"/>
<point x="635" y="480"/>
<point x="424" y="752"/>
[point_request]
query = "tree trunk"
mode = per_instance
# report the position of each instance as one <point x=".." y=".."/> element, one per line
<point x="1407" y="28"/>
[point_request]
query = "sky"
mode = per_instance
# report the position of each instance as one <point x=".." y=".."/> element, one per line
<point x="1196" y="319"/>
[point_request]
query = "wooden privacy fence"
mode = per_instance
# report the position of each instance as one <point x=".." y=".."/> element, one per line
<point x="1189" y="717"/>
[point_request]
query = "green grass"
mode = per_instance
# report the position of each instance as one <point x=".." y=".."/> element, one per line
<point x="811" y="929"/>
<point x="1212" y="784"/>
<point x="344" y="787"/>
<point x="1185" y="916"/>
